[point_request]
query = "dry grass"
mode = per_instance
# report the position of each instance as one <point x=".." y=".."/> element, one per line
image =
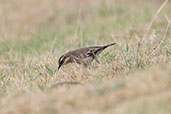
<point x="145" y="91"/>
<point x="132" y="77"/>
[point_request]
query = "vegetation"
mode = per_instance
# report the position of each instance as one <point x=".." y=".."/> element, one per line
<point x="132" y="77"/>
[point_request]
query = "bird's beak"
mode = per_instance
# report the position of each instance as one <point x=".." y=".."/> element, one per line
<point x="59" y="66"/>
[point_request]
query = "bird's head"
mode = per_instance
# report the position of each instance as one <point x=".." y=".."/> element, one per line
<point x="63" y="60"/>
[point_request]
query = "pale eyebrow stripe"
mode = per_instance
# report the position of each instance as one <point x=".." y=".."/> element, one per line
<point x="66" y="60"/>
<point x="61" y="58"/>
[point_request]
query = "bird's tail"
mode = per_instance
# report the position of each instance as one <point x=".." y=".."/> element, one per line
<point x="108" y="45"/>
<point x="100" y="49"/>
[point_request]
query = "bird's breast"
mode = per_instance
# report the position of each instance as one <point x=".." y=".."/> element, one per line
<point x="87" y="60"/>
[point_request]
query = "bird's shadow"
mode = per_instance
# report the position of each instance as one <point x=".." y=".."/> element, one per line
<point x="65" y="83"/>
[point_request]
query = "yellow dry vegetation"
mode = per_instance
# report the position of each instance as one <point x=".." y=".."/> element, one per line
<point x="133" y="77"/>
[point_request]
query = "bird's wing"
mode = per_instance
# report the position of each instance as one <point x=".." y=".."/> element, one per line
<point x="92" y="51"/>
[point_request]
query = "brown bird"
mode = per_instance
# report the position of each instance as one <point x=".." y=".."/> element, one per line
<point x="82" y="56"/>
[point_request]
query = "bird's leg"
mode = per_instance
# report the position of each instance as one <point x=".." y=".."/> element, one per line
<point x="95" y="57"/>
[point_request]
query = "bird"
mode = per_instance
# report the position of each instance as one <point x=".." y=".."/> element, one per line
<point x="82" y="56"/>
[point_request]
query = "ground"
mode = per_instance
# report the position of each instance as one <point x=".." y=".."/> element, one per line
<point x="132" y="77"/>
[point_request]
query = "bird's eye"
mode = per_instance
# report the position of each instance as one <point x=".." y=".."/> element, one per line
<point x="88" y="54"/>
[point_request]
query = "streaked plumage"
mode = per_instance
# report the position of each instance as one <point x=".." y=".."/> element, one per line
<point x="82" y="56"/>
